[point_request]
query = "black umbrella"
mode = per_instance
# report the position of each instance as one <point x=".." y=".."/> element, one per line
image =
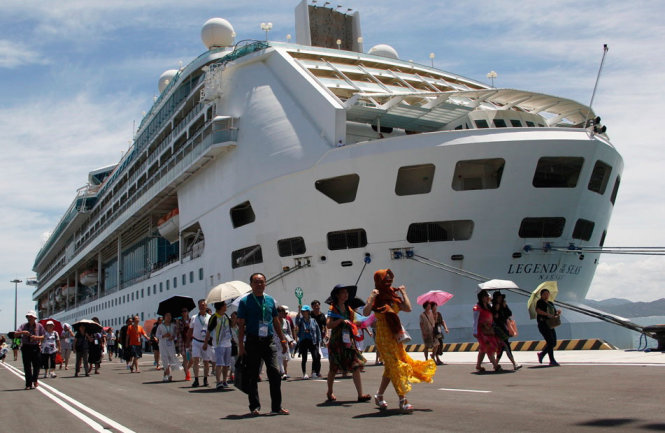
<point x="91" y="326"/>
<point x="175" y="304"/>
<point x="10" y="335"/>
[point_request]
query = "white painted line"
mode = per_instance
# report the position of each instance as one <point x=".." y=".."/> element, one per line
<point x="89" y="421"/>
<point x="44" y="389"/>
<point x="464" y="390"/>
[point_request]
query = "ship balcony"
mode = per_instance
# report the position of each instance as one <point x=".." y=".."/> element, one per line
<point x="225" y="132"/>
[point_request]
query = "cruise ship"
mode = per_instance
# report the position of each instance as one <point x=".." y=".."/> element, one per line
<point x="317" y="163"/>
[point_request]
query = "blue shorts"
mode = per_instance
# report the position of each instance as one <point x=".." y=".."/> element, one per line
<point x="223" y="356"/>
<point x="136" y="351"/>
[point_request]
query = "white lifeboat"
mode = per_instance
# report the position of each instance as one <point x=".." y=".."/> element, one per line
<point x="88" y="278"/>
<point x="169" y="225"/>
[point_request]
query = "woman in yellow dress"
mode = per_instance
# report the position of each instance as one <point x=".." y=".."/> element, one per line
<point x="399" y="368"/>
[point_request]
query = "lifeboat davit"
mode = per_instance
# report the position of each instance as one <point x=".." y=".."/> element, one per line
<point x="169" y="225"/>
<point x="88" y="278"/>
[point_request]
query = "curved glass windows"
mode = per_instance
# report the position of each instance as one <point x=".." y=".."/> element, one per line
<point x="242" y="214"/>
<point x="291" y="246"/>
<point x="246" y="256"/>
<point x="599" y="177"/>
<point x="342" y="189"/>
<point x="414" y="179"/>
<point x="542" y="227"/>
<point x="440" y="231"/>
<point x="347" y="239"/>
<point x="557" y="172"/>
<point x="615" y="190"/>
<point x="583" y="229"/>
<point x="478" y="174"/>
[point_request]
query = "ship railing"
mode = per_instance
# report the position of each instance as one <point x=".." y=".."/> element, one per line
<point x="185" y="156"/>
<point x="192" y="151"/>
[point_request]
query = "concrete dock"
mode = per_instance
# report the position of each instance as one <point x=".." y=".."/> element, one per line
<point x="590" y="391"/>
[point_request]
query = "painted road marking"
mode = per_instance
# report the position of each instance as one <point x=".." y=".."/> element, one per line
<point x="53" y="394"/>
<point x="465" y="390"/>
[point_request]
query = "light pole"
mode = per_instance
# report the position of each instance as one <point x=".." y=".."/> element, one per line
<point x="15" y="281"/>
<point x="266" y="27"/>
<point x="491" y="75"/>
<point x="431" y="57"/>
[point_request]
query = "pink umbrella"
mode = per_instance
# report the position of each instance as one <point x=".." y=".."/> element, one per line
<point x="439" y="297"/>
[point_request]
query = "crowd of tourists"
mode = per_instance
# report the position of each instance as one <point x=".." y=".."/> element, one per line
<point x="260" y="335"/>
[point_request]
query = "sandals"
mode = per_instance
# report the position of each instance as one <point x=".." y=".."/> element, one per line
<point x="498" y="369"/>
<point x="517" y="367"/>
<point x="255" y="412"/>
<point x="379" y="401"/>
<point x="480" y="369"/>
<point x="363" y="398"/>
<point x="281" y="411"/>
<point x="405" y="406"/>
<point x="330" y="396"/>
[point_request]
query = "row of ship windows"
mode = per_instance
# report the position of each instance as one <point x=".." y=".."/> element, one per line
<point x="141" y="293"/>
<point x="435" y="231"/>
<point x="551" y="172"/>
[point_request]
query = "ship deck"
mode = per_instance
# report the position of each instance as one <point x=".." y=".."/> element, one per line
<point x="591" y="390"/>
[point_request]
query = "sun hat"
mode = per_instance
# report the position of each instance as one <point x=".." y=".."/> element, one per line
<point x="351" y="290"/>
<point x="50" y="322"/>
<point x="306" y="308"/>
<point x="31" y="313"/>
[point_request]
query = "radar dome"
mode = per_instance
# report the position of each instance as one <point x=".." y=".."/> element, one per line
<point x="165" y="79"/>
<point x="383" y="50"/>
<point x="217" y="32"/>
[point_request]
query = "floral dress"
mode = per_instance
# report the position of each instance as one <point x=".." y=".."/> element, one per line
<point x="398" y="365"/>
<point x="486" y="343"/>
<point x="345" y="357"/>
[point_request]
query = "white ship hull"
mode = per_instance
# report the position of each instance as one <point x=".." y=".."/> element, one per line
<point x="245" y="152"/>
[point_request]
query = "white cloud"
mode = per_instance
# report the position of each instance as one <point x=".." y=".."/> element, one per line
<point x="634" y="278"/>
<point x="13" y="55"/>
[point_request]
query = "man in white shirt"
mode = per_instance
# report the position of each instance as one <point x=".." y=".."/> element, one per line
<point x="198" y="328"/>
<point x="219" y="333"/>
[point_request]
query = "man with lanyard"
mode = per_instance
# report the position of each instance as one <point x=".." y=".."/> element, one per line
<point x="31" y="333"/>
<point x="198" y="328"/>
<point x="257" y="321"/>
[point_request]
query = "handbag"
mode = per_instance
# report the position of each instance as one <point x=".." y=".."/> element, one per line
<point x="241" y="379"/>
<point x="553" y="322"/>
<point x="512" y="327"/>
<point x="403" y="337"/>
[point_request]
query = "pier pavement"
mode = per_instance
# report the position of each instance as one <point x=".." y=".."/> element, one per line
<point x="592" y="391"/>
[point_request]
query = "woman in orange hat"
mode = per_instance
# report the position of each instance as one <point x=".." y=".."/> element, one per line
<point x="399" y="368"/>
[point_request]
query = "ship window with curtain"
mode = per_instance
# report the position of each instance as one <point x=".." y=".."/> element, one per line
<point x="542" y="227"/>
<point x="500" y="123"/>
<point x="414" y="179"/>
<point x="242" y="214"/>
<point x="478" y="174"/>
<point x="599" y="177"/>
<point x="175" y="282"/>
<point x="347" y="239"/>
<point x="440" y="231"/>
<point x="530" y="124"/>
<point x="168" y="284"/>
<point x="161" y="287"/>
<point x="583" y="229"/>
<point x="481" y="123"/>
<point x="515" y="123"/>
<point x="246" y="256"/>
<point x="184" y="279"/>
<point x="291" y="246"/>
<point x="191" y="276"/>
<point x="615" y="190"/>
<point x="200" y="274"/>
<point x="557" y="172"/>
<point x="341" y="189"/>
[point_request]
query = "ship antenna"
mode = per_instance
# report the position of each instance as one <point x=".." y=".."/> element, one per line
<point x="593" y="94"/>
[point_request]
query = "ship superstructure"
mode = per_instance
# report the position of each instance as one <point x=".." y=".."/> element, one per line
<point x="317" y="165"/>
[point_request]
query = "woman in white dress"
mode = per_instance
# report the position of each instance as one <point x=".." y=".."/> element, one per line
<point x="167" y="335"/>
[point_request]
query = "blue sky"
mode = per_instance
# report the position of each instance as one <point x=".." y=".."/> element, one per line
<point x="76" y="75"/>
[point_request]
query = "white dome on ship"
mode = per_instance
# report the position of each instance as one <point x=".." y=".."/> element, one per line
<point x="217" y="32"/>
<point x="383" y="50"/>
<point x="165" y="79"/>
